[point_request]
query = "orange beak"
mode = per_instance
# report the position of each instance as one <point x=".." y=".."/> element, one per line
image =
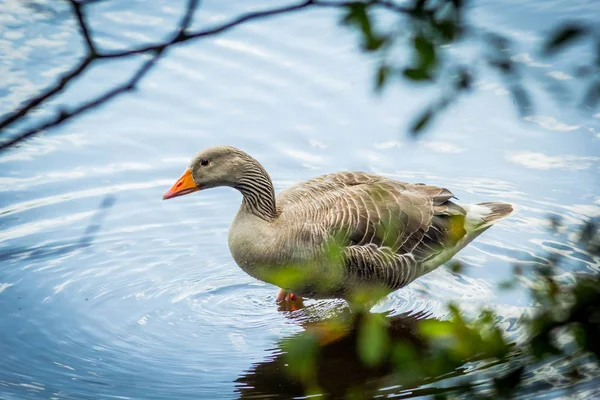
<point x="184" y="185"/>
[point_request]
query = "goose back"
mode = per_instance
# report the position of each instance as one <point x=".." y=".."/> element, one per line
<point x="387" y="228"/>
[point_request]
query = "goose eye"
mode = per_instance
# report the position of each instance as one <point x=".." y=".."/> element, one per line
<point x="204" y="162"/>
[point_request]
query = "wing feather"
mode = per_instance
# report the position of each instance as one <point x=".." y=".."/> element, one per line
<point x="390" y="227"/>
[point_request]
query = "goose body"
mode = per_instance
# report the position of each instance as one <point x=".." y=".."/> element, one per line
<point x="337" y="233"/>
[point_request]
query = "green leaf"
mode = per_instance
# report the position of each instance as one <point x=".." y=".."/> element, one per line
<point x="505" y="385"/>
<point x="373" y="42"/>
<point x="456" y="267"/>
<point x="458" y="4"/>
<point x="383" y="73"/>
<point x="416" y="74"/>
<point x="422" y="122"/>
<point x="436" y="329"/>
<point x="426" y="52"/>
<point x="448" y="30"/>
<point x="301" y="356"/>
<point x="566" y="34"/>
<point x="373" y="339"/>
<point x="419" y="7"/>
<point x="356" y="15"/>
<point x="507" y="285"/>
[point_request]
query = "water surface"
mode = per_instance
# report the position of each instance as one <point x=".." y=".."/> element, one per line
<point x="108" y="292"/>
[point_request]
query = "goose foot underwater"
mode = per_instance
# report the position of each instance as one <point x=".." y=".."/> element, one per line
<point x="339" y="235"/>
<point x="287" y="301"/>
<point x="284" y="295"/>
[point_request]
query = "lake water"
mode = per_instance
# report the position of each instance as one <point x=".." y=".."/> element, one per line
<point x="106" y="291"/>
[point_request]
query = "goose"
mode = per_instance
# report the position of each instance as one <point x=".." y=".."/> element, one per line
<point x="337" y="234"/>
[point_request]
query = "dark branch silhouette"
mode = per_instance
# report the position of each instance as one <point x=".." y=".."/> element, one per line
<point x="156" y="49"/>
<point x="64" y="115"/>
<point x="430" y="26"/>
<point x="85" y="32"/>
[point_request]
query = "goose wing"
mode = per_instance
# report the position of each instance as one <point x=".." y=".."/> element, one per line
<point x="389" y="227"/>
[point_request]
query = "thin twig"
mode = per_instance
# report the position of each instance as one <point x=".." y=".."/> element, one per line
<point x="156" y="50"/>
<point x="189" y="15"/>
<point x="85" y="31"/>
<point x="47" y="94"/>
<point x="65" y="115"/>
<point x="252" y="16"/>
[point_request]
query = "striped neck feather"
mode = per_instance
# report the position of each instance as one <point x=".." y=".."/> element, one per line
<point x="257" y="189"/>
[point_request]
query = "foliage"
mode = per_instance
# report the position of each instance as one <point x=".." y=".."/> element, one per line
<point x="436" y="348"/>
<point x="426" y="29"/>
<point x="434" y="29"/>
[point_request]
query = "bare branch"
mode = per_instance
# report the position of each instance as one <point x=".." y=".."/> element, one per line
<point x="189" y="14"/>
<point x="156" y="50"/>
<point x="65" y="115"/>
<point x="47" y="94"/>
<point x="85" y="31"/>
<point x="252" y="16"/>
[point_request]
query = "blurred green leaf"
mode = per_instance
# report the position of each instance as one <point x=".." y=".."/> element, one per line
<point x="356" y="15"/>
<point x="456" y="267"/>
<point x="301" y="353"/>
<point x="416" y="74"/>
<point x="373" y="339"/>
<point x="426" y="52"/>
<point x="563" y="36"/>
<point x="507" y="384"/>
<point x="418" y="9"/>
<point x="458" y="4"/>
<point x="383" y="73"/>
<point x="436" y="329"/>
<point x="422" y="122"/>
<point x="374" y="42"/>
<point x="448" y="30"/>
<point x="507" y="285"/>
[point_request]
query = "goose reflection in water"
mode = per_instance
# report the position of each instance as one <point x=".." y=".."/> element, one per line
<point x="339" y="370"/>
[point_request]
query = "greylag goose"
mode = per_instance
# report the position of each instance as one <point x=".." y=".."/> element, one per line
<point x="335" y="234"/>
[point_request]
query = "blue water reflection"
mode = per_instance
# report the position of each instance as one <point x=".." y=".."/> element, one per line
<point x="149" y="303"/>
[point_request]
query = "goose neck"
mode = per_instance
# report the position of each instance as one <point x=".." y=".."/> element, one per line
<point x="258" y="194"/>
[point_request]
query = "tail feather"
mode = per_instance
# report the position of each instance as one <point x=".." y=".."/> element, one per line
<point x="483" y="215"/>
<point x="478" y="218"/>
<point x="498" y="211"/>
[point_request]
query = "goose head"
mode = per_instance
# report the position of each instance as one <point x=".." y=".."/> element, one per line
<point x="214" y="167"/>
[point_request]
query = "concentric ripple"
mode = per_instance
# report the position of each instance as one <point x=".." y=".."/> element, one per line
<point x="108" y="292"/>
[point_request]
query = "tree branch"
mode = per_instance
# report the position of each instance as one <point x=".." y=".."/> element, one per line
<point x="189" y="15"/>
<point x="252" y="16"/>
<point x="47" y="94"/>
<point x="85" y="32"/>
<point x="65" y="115"/>
<point x="181" y="36"/>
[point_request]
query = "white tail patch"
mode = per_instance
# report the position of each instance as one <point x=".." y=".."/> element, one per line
<point x="476" y="215"/>
<point x="479" y="217"/>
<point x="483" y="215"/>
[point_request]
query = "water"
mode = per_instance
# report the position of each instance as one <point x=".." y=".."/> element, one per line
<point x="108" y="292"/>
